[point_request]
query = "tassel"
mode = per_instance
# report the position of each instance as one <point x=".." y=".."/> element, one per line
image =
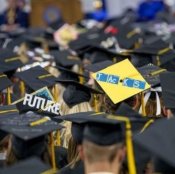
<point x="52" y="150"/>
<point x="143" y="105"/>
<point x="8" y="96"/>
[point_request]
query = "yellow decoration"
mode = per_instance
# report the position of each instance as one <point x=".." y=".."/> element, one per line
<point x="121" y="81"/>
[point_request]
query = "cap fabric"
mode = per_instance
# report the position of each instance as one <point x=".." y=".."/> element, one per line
<point x="151" y="73"/>
<point x="9" y="61"/>
<point x="99" y="66"/>
<point x="168" y="89"/>
<point x="4" y="82"/>
<point x="28" y="126"/>
<point x="36" y="78"/>
<point x="67" y="74"/>
<point x="32" y="165"/>
<point x="76" y="93"/>
<point x="65" y="58"/>
<point x="159" y="142"/>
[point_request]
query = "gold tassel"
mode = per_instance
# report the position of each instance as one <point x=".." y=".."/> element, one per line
<point x="129" y="144"/>
<point x="147" y="124"/>
<point x="8" y="96"/>
<point x="56" y="93"/>
<point x="143" y="105"/>
<point x="52" y="150"/>
<point x="58" y="143"/>
<point x="158" y="60"/>
<point x="96" y="103"/>
<point x="81" y="78"/>
<point x="22" y="88"/>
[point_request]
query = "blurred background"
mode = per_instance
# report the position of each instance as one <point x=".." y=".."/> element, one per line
<point x="45" y="12"/>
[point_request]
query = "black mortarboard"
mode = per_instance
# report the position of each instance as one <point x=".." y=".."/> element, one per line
<point x="28" y="126"/>
<point x="88" y="39"/>
<point x="65" y="58"/>
<point x="98" y="54"/>
<point x="6" y="110"/>
<point x="33" y="41"/>
<point x="31" y="165"/>
<point x="151" y="73"/>
<point x="162" y="59"/>
<point x="126" y="111"/>
<point x="160" y="143"/>
<point x="67" y="74"/>
<point x="139" y="60"/>
<point x="4" y="82"/>
<point x="78" y="124"/>
<point x="76" y="93"/>
<point x="168" y="89"/>
<point x="36" y="78"/>
<point x="98" y="66"/>
<point x="153" y="48"/>
<point x="9" y="61"/>
<point x="128" y="42"/>
<point x="15" y="42"/>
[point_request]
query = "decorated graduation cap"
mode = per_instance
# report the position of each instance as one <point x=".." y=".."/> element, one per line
<point x="67" y="74"/>
<point x="31" y="165"/>
<point x="6" y="110"/>
<point x="121" y="81"/>
<point x="36" y="78"/>
<point x="160" y="143"/>
<point x="76" y="93"/>
<point x="65" y="58"/>
<point x="168" y="89"/>
<point x="99" y="66"/>
<point x="9" y="61"/>
<point x="4" y="82"/>
<point x="28" y="126"/>
<point x="151" y="73"/>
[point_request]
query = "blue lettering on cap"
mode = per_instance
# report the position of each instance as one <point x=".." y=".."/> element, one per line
<point x="107" y="78"/>
<point x="134" y="83"/>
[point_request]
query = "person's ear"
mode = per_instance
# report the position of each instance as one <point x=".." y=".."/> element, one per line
<point x="121" y="154"/>
<point x="81" y="152"/>
<point x="165" y="111"/>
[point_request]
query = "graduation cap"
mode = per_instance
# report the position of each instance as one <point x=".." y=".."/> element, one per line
<point x="168" y="89"/>
<point x="119" y="83"/>
<point x="88" y="39"/>
<point x="78" y="123"/>
<point x="4" y="82"/>
<point x="6" y="110"/>
<point x="76" y="93"/>
<point x="100" y="54"/>
<point x="157" y="47"/>
<point x="67" y="74"/>
<point x="36" y="78"/>
<point x="9" y="61"/>
<point x="99" y="66"/>
<point x="160" y="142"/>
<point x="31" y="165"/>
<point x="65" y="58"/>
<point x="151" y="73"/>
<point x="28" y="126"/>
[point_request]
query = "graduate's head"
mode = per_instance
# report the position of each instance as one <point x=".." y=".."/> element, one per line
<point x="103" y="145"/>
<point x="12" y="3"/>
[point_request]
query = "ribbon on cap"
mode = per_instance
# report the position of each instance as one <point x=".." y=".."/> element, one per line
<point x="158" y="103"/>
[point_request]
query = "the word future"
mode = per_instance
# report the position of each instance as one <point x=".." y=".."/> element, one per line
<point x="41" y="104"/>
<point x="127" y="82"/>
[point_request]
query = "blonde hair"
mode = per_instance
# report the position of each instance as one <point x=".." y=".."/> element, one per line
<point x="65" y="110"/>
<point x="96" y="153"/>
